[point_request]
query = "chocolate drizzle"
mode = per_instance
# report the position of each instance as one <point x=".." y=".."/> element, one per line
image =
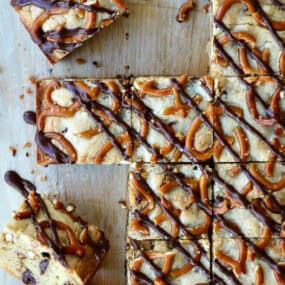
<point x="47" y="147"/>
<point x="30" y="117"/>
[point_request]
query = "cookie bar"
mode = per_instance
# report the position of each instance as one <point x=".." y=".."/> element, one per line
<point x="248" y="119"/>
<point x="174" y="115"/>
<point x="83" y="121"/>
<point x="165" y="262"/>
<point x="58" y="27"/>
<point x="252" y="200"/>
<point x="250" y="261"/>
<point x="46" y="242"/>
<point x="253" y="49"/>
<point x="163" y="194"/>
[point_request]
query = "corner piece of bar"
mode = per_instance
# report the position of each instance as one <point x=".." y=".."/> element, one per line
<point x="46" y="242"/>
<point x="165" y="262"/>
<point x="83" y="122"/>
<point x="58" y="27"/>
<point x="175" y="198"/>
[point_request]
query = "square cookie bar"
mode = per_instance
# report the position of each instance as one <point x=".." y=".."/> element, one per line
<point x="174" y="115"/>
<point x="58" y="27"/>
<point x="166" y="262"/>
<point x="251" y="200"/>
<point x="46" y="242"/>
<point x="249" y="119"/>
<point x="243" y="50"/>
<point x="177" y="198"/>
<point x="249" y="261"/>
<point x="83" y="121"/>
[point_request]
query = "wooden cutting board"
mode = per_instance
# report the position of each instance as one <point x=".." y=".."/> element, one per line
<point x="156" y="45"/>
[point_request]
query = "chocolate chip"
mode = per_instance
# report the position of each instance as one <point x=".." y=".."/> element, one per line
<point x="43" y="265"/>
<point x="28" y="278"/>
<point x="46" y="254"/>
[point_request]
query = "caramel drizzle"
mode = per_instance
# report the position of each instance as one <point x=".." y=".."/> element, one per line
<point x="25" y="187"/>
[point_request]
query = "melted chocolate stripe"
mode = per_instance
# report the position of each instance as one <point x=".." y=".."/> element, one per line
<point x="47" y="147"/>
<point x="24" y="187"/>
<point x="142" y="278"/>
<point x="47" y="5"/>
<point x="279" y="4"/>
<point x="177" y="221"/>
<point x="84" y="99"/>
<point x="153" y="266"/>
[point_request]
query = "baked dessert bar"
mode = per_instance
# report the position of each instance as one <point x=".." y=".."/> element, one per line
<point x="163" y="194"/>
<point x="249" y="34"/>
<point x="58" y="27"/>
<point x="250" y="261"/>
<point x="249" y="119"/>
<point x="175" y="116"/>
<point x="252" y="199"/>
<point x="83" y="121"/>
<point x="111" y="121"/>
<point x="45" y="242"/>
<point x="167" y="262"/>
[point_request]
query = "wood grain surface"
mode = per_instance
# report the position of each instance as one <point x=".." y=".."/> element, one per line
<point x="156" y="45"/>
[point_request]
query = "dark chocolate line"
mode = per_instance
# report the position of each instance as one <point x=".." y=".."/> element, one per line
<point x="142" y="278"/>
<point x="47" y="147"/>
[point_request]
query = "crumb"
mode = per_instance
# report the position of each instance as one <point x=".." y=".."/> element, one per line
<point x="80" y="61"/>
<point x="33" y="79"/>
<point x="22" y="96"/>
<point x="123" y="204"/>
<point x="29" y="90"/>
<point x="64" y="130"/>
<point x="13" y="150"/>
<point x="27" y="154"/>
<point x="206" y="8"/>
<point x="96" y="63"/>
<point x="127" y="36"/>
<point x="127" y="67"/>
<point x="43" y="178"/>
<point x="32" y="171"/>
<point x="27" y="144"/>
<point x="184" y="11"/>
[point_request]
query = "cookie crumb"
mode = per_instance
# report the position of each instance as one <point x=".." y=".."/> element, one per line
<point x="32" y="79"/>
<point x="27" y="145"/>
<point x="123" y="204"/>
<point x="22" y="96"/>
<point x="184" y="10"/>
<point x="206" y="8"/>
<point x="13" y="150"/>
<point x="43" y="178"/>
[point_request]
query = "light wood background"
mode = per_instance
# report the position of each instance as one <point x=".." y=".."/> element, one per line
<point x="157" y="45"/>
